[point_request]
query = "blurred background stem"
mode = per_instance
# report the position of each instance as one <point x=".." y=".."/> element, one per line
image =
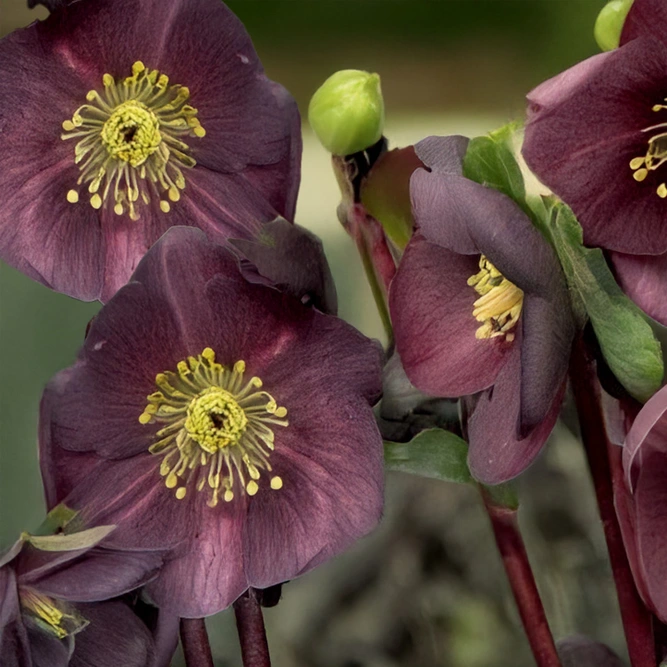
<point x="605" y="467"/>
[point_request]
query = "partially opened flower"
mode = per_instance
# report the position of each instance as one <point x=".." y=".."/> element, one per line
<point x="597" y="136"/>
<point x="642" y="509"/>
<point x="223" y="419"/>
<point x="121" y="118"/>
<point x="480" y="307"/>
<point x="55" y="607"/>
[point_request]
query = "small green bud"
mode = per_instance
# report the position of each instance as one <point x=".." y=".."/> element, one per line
<point x="609" y="24"/>
<point x="347" y="112"/>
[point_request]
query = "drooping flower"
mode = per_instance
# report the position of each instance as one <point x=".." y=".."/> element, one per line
<point x="597" y="136"/>
<point x="221" y="418"/>
<point x="480" y="308"/>
<point x="55" y="606"/>
<point x="641" y="504"/>
<point x="121" y="118"/>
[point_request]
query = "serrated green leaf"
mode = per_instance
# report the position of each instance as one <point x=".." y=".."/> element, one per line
<point x="433" y="453"/>
<point x="622" y="329"/>
<point x="70" y="542"/>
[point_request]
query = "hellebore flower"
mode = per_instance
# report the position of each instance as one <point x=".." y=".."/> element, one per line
<point x="642" y="510"/>
<point x="50" y="609"/>
<point x="121" y="118"/>
<point x="221" y="418"/>
<point x="597" y="136"/>
<point x="480" y="307"/>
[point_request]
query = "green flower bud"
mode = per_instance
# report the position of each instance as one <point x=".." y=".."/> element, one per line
<point x="609" y="24"/>
<point x="347" y="112"/>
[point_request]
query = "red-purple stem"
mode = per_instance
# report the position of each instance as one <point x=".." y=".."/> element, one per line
<point x="250" y="625"/>
<point x="194" y="639"/>
<point x="605" y="466"/>
<point x="517" y="566"/>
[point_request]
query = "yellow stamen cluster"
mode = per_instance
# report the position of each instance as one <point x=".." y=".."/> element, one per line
<point x="656" y="154"/>
<point x="45" y="611"/>
<point x="218" y="426"/>
<point x="129" y="142"/>
<point x="500" y="302"/>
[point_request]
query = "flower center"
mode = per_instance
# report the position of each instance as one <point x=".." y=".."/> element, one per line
<point x="499" y="304"/>
<point x="218" y="427"/>
<point x="129" y="142"/>
<point x="49" y="616"/>
<point x="656" y="154"/>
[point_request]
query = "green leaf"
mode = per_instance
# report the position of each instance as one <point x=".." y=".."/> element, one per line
<point x="503" y="495"/>
<point x="490" y="161"/>
<point x="81" y="540"/>
<point x="56" y="520"/>
<point x="625" y="336"/>
<point x="433" y="453"/>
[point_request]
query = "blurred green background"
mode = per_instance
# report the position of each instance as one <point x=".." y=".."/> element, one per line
<point x="427" y="589"/>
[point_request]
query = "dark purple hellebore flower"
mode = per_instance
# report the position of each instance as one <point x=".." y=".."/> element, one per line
<point x="597" y="136"/>
<point x="122" y="118"/>
<point x="55" y="608"/>
<point x="642" y="509"/>
<point x="221" y="418"/>
<point x="480" y="306"/>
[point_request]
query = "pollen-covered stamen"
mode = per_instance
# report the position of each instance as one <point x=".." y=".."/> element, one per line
<point x="218" y="428"/>
<point x="656" y="154"/>
<point x="53" y="616"/>
<point x="130" y="147"/>
<point x="499" y="305"/>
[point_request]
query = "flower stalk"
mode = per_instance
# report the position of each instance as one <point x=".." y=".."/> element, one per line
<point x="250" y="625"/>
<point x="196" y="647"/>
<point x="517" y="566"/>
<point x="606" y="470"/>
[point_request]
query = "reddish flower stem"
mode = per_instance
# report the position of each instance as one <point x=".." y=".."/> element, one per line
<point x="605" y="467"/>
<point x="517" y="566"/>
<point x="194" y="639"/>
<point x="250" y="625"/>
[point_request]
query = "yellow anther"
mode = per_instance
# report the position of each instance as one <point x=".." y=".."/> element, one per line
<point x="637" y="162"/>
<point x="164" y="206"/>
<point x="276" y="483"/>
<point x="640" y="174"/>
<point x="68" y="125"/>
<point x="229" y="496"/>
<point x="180" y="492"/>
<point x="252" y="488"/>
<point x="96" y="201"/>
<point x="72" y="196"/>
<point x="144" y="418"/>
<point x="199" y="131"/>
<point x="662" y="191"/>
<point x="118" y="209"/>
<point x="173" y="193"/>
<point x="239" y="367"/>
<point x="172" y="480"/>
<point x="280" y="412"/>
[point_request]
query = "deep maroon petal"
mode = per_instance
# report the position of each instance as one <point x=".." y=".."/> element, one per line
<point x="497" y="452"/>
<point x="648" y="432"/>
<point x="100" y="574"/>
<point x="584" y="128"/>
<point x="46" y="649"/>
<point x="546" y="343"/>
<point x="468" y="218"/>
<point x="293" y="260"/>
<point x="650" y="496"/>
<point x="646" y="17"/>
<point x="431" y="308"/>
<point x="14" y="641"/>
<point x="644" y="279"/>
<point x="114" y="636"/>
<point x="443" y="154"/>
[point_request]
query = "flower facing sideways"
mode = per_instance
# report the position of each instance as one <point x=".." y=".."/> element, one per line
<point x="597" y="136"/>
<point x="121" y="118"/>
<point x="220" y="418"/>
<point x="480" y="309"/>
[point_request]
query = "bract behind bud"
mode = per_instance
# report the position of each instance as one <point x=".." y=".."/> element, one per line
<point x="609" y="23"/>
<point x="347" y="112"/>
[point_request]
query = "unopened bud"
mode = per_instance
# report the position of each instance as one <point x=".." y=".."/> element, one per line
<point x="347" y="112"/>
<point x="609" y="24"/>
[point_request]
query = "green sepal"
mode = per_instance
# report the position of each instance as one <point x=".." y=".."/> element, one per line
<point x="609" y="24"/>
<point x="433" y="453"/>
<point x="68" y="542"/>
<point x="503" y="495"/>
<point x="626" y="338"/>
